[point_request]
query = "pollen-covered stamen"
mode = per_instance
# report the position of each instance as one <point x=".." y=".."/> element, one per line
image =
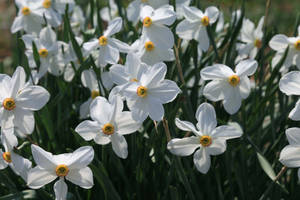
<point x="47" y="3"/>
<point x="7" y="157"/>
<point x="297" y="45"/>
<point x="43" y="53"/>
<point x="234" y="80"/>
<point x="108" y="129"/>
<point x="9" y="104"/>
<point x="258" y="43"/>
<point x="62" y="170"/>
<point x="149" y="46"/>
<point x="147" y="22"/>
<point x="133" y="80"/>
<point x="95" y="93"/>
<point x="205" y="140"/>
<point x="141" y="91"/>
<point x="205" y="21"/>
<point x="102" y="40"/>
<point x="25" y="11"/>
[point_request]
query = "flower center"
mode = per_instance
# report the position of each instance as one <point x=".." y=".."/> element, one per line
<point x="7" y="157"/>
<point x="147" y="22"/>
<point x="25" y="10"/>
<point x="297" y="45"/>
<point x="133" y="80"/>
<point x="9" y="103"/>
<point x="95" y="93"/>
<point x="234" y="80"/>
<point x="108" y="129"/>
<point x="205" y="140"/>
<point x="102" y="41"/>
<point x="258" y="43"/>
<point x="43" y="53"/>
<point x="62" y="170"/>
<point x="149" y="46"/>
<point x="47" y="3"/>
<point x="141" y="91"/>
<point x="205" y="21"/>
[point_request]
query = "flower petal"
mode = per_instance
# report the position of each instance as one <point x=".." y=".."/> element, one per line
<point x="119" y="145"/>
<point x="183" y="147"/>
<point x="192" y="13"/>
<point x="246" y="67"/>
<point x="60" y="189"/>
<point x="166" y="92"/>
<point x="293" y="135"/>
<point x="188" y="30"/>
<point x="88" y="129"/>
<point x="101" y="110"/>
<point x="218" y="146"/>
<point x="24" y="120"/>
<point x="89" y="79"/>
<point x="232" y="101"/>
<point x="81" y="157"/>
<point x="212" y="12"/>
<point x="82" y="177"/>
<point x="206" y="117"/>
<point x="295" y="112"/>
<point x="279" y="42"/>
<point x="185" y="126"/>
<point x="43" y="158"/>
<point x="214" y="90"/>
<point x="227" y="132"/>
<point x="126" y="124"/>
<point x="290" y="156"/>
<point x="17" y="81"/>
<point x="114" y="26"/>
<point x="290" y="83"/>
<point x="202" y="160"/>
<point x="38" y="177"/>
<point x="216" y="71"/>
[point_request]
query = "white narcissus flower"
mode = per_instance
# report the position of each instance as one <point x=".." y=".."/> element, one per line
<point x="155" y="24"/>
<point x="77" y="20"/>
<point x="109" y="124"/>
<point x="179" y="7"/>
<point x="47" y="9"/>
<point x="290" y="85"/>
<point x="18" y="101"/>
<point x="17" y="163"/>
<point x="109" y="47"/>
<point x="109" y="12"/>
<point x="72" y="166"/>
<point x="208" y="137"/>
<point x="280" y="43"/>
<point x="251" y="39"/>
<point x="146" y="95"/>
<point x="290" y="154"/>
<point x="89" y="80"/>
<point x="28" y="18"/>
<point x="195" y="23"/>
<point x="47" y="47"/>
<point x="227" y="85"/>
<point x="135" y="7"/>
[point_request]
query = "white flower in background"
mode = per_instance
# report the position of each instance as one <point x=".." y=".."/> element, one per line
<point x="109" y="124"/>
<point x="89" y="80"/>
<point x="208" y="137"/>
<point x="70" y="166"/>
<point x="123" y="74"/>
<point x="179" y="7"/>
<point x="251" y="39"/>
<point x="135" y="7"/>
<point x="279" y="43"/>
<point x="290" y="85"/>
<point x="147" y="95"/>
<point x="195" y="23"/>
<point x="28" y="18"/>
<point x="155" y="24"/>
<point x="47" y="47"/>
<point x="227" y="85"/>
<point x="19" y="100"/>
<point x="17" y="163"/>
<point x="152" y="52"/>
<point x="290" y="154"/>
<point x="109" y="13"/>
<point x="60" y="5"/>
<point x="77" y="20"/>
<point x="109" y="47"/>
<point x="47" y="9"/>
<point x="236" y="16"/>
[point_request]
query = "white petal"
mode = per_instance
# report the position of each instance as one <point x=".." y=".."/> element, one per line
<point x="290" y="83"/>
<point x="202" y="160"/>
<point x="227" y="132"/>
<point x="17" y="24"/>
<point x="24" y="120"/>
<point x="154" y="75"/>
<point x="218" y="146"/>
<point x="126" y="124"/>
<point x="192" y="13"/>
<point x="246" y="67"/>
<point x="183" y="147"/>
<point x="32" y="97"/>
<point x="101" y="139"/>
<point x="206" y="117"/>
<point x="295" y="112"/>
<point x="60" y="189"/>
<point x="212" y="13"/>
<point x="89" y="79"/>
<point x="38" y="177"/>
<point x="43" y="158"/>
<point x="81" y="157"/>
<point x="164" y="15"/>
<point x="279" y="42"/>
<point x="133" y="11"/>
<point x="214" y="90"/>
<point x="244" y="87"/>
<point x="17" y="81"/>
<point x="88" y="129"/>
<point x="156" y="109"/>
<point x="114" y="26"/>
<point x="119" y="145"/>
<point x="188" y="30"/>
<point x="21" y="165"/>
<point x="82" y="177"/>
<point x="101" y="110"/>
<point x="118" y="74"/>
<point x="160" y="35"/>
<point x="166" y="92"/>
<point x="47" y="36"/>
<point x="117" y="44"/>
<point x="290" y="156"/>
<point x="293" y="135"/>
<point x="91" y="45"/>
<point x="203" y="39"/>
<point x="185" y="126"/>
<point x="232" y="101"/>
<point x="108" y="54"/>
<point x="85" y="109"/>
<point x="217" y="71"/>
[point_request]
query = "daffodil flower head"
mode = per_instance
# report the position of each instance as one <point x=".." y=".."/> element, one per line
<point x="229" y="86"/>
